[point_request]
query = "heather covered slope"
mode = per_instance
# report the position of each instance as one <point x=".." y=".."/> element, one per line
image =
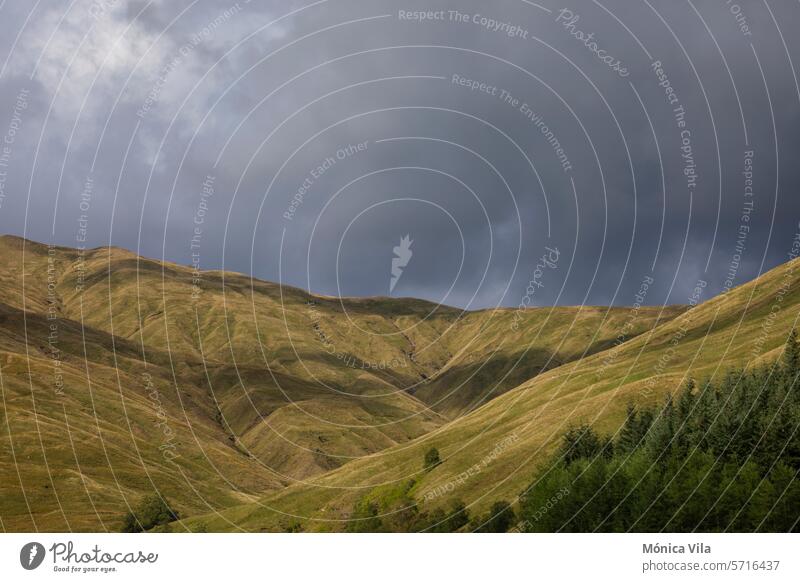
<point x="491" y="453"/>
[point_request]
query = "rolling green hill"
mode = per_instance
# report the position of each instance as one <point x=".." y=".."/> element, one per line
<point x="491" y="453"/>
<point x="247" y="403"/>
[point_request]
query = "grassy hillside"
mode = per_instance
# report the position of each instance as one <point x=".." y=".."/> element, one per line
<point x="84" y="437"/>
<point x="122" y="375"/>
<point x="496" y="357"/>
<point x="491" y="453"/>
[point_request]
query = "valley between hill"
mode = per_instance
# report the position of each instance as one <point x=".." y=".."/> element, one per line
<point x="250" y="405"/>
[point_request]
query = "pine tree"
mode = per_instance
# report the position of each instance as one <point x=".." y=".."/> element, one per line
<point x="629" y="433"/>
<point x="791" y="357"/>
<point x="683" y="415"/>
<point x="581" y="442"/>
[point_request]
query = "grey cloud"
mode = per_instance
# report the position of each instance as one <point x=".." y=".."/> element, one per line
<point x="173" y="90"/>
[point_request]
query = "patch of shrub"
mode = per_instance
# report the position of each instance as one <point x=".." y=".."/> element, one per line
<point x="499" y="519"/>
<point x="151" y="512"/>
<point x="432" y="459"/>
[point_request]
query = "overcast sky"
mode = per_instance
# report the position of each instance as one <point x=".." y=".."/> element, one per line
<point x="614" y="132"/>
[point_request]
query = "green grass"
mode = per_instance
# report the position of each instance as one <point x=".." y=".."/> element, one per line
<point x="725" y="332"/>
<point x="271" y="425"/>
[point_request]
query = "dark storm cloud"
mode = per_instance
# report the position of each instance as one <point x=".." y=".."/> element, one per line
<point x="132" y="106"/>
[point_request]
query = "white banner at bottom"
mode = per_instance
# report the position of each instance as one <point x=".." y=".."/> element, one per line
<point x="401" y="557"/>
